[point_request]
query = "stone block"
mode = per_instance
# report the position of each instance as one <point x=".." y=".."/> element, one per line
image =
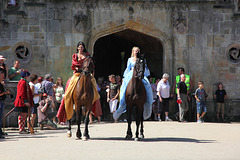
<point x="207" y="28"/>
<point x="66" y="26"/>
<point x="33" y="28"/>
<point x="25" y="36"/>
<point x="216" y="27"/>
<point x="38" y="36"/>
<point x="194" y="16"/>
<point x="218" y="17"/>
<point x="232" y="70"/>
<point x="25" y="28"/>
<point x="68" y="37"/>
<point x="54" y="26"/>
<point x="53" y="52"/>
<point x="59" y="39"/>
<point x="209" y="40"/>
<point x="191" y="40"/>
<point x="77" y="37"/>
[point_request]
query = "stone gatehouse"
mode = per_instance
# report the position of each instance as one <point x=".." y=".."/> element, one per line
<point x="203" y="36"/>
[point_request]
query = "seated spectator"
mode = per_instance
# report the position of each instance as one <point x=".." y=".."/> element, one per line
<point x="4" y="66"/>
<point x="14" y="73"/>
<point x="45" y="117"/>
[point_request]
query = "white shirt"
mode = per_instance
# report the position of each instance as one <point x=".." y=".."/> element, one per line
<point x="164" y="89"/>
<point x="36" y="88"/>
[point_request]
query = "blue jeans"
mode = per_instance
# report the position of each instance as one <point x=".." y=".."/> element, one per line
<point x="1" y="115"/>
<point x="201" y="106"/>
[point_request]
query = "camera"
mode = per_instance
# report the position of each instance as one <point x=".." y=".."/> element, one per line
<point x="49" y="102"/>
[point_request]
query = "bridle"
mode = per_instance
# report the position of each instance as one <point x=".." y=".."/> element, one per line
<point x="139" y="68"/>
<point x="87" y="69"/>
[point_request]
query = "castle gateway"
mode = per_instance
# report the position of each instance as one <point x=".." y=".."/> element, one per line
<point x="203" y="36"/>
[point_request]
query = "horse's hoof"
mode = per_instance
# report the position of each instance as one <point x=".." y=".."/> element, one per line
<point x="84" y="138"/>
<point x="69" y="134"/>
<point x="128" y="137"/>
<point x="136" y="139"/>
<point x="78" y="135"/>
<point x="141" y="136"/>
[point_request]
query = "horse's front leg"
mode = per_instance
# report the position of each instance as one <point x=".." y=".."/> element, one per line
<point x="78" y="119"/>
<point x="69" y="132"/>
<point x="86" y="135"/>
<point x="137" y="124"/>
<point x="141" y="130"/>
<point x="129" y="120"/>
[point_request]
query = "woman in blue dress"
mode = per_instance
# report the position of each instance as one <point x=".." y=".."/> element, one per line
<point x="127" y="77"/>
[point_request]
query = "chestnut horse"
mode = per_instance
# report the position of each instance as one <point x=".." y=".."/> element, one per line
<point x="83" y="96"/>
<point x="135" y="98"/>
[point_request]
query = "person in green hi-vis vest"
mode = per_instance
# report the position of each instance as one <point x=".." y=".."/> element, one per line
<point x="188" y="82"/>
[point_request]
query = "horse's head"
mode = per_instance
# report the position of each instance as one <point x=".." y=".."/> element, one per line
<point x="139" y="67"/>
<point x="87" y="66"/>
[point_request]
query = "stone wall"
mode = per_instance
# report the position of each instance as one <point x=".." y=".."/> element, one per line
<point x="194" y="34"/>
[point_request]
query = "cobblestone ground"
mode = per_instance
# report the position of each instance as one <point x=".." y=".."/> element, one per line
<point x="163" y="140"/>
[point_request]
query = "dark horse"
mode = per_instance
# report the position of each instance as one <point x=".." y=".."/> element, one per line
<point x="136" y="97"/>
<point x="83" y="96"/>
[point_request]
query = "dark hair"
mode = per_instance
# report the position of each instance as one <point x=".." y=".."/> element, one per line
<point x="33" y="77"/>
<point x="57" y="81"/>
<point x="219" y="84"/>
<point x="200" y="82"/>
<point x="81" y="43"/>
<point x="182" y="69"/>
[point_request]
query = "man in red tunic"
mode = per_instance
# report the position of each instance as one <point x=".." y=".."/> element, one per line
<point x="24" y="99"/>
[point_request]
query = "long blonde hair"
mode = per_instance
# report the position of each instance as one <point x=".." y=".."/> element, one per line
<point x="132" y="55"/>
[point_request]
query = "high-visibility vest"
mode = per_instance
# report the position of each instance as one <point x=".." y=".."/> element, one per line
<point x="187" y="81"/>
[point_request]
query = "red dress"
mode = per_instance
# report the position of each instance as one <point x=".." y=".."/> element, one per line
<point x="22" y="94"/>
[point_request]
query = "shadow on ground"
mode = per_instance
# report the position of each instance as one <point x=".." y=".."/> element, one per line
<point x="162" y="139"/>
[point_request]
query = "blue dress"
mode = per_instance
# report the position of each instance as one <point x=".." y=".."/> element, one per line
<point x="127" y="77"/>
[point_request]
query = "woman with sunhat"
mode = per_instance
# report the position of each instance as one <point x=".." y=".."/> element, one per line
<point x="4" y="66"/>
<point x="24" y="99"/>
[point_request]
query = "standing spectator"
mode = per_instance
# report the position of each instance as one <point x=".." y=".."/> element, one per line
<point x="163" y="91"/>
<point x="182" y="96"/>
<point x="114" y="90"/>
<point x="47" y="85"/>
<point x="59" y="93"/>
<point x="220" y="96"/>
<point x="188" y="82"/>
<point x="2" y="98"/>
<point x="24" y="99"/>
<point x="200" y="96"/>
<point x="36" y="96"/>
<point x="155" y="99"/>
<point x="38" y="86"/>
<point x="103" y="97"/>
<point x="45" y="116"/>
<point x="4" y="66"/>
<point x="118" y="80"/>
<point x="14" y="72"/>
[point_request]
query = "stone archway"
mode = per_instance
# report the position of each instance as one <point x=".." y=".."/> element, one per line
<point x="132" y="33"/>
<point x="112" y="51"/>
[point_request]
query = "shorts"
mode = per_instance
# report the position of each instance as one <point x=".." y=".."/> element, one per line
<point x="113" y="105"/>
<point x="201" y="106"/>
<point x="220" y="107"/>
<point x="21" y="109"/>
<point x="34" y="109"/>
<point x="164" y="105"/>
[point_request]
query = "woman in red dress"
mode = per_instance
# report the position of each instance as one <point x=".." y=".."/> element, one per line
<point x="24" y="99"/>
<point x="66" y="107"/>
